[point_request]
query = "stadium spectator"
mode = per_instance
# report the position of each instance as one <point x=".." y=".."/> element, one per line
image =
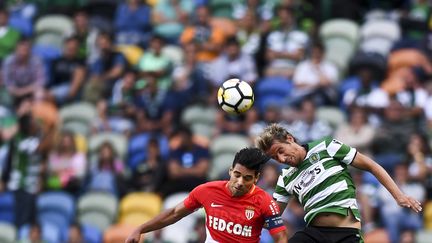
<point x="23" y="73"/>
<point x="87" y="36"/>
<point x="249" y="34"/>
<point x="395" y="126"/>
<point x="228" y="222"/>
<point x="150" y="173"/>
<point x="132" y="23"/>
<point x="34" y="235"/>
<point x="170" y="18"/>
<point x="8" y="35"/>
<point x="106" y="173"/>
<point x="68" y="73"/>
<point x="308" y="126"/>
<point x="155" y="64"/>
<point x="319" y="178"/>
<point x="232" y="63"/>
<point x="106" y="69"/>
<point x="154" y="107"/>
<point x="66" y="166"/>
<point x="316" y="78"/>
<point x="419" y="158"/>
<point x="188" y="164"/>
<point x="75" y="234"/>
<point x="357" y="133"/>
<point x="396" y="219"/>
<point x="207" y="39"/>
<point x="286" y="45"/>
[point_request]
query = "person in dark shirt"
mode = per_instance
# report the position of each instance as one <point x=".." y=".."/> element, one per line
<point x="67" y="72"/>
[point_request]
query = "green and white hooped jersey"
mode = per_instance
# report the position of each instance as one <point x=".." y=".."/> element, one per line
<point x="322" y="182"/>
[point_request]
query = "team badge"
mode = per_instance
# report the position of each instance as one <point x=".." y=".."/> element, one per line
<point x="314" y="158"/>
<point x="249" y="212"/>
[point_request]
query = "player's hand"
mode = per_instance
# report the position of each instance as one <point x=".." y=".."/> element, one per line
<point x="134" y="237"/>
<point x="409" y="202"/>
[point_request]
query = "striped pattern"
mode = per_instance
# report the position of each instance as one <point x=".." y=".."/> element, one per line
<point x="322" y="182"/>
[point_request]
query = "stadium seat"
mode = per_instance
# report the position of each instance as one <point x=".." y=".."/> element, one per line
<point x="333" y="115"/>
<point x="340" y="37"/>
<point x="228" y="143"/>
<point x="174" y="53"/>
<point x="137" y="151"/>
<point x="8" y="233"/>
<point x="79" y="111"/>
<point x="49" y="39"/>
<point x="220" y="165"/>
<point x="91" y="234"/>
<point x="132" y="53"/>
<point x="200" y="119"/>
<point x="378" y="35"/>
<point x="272" y="90"/>
<point x="180" y="231"/>
<point x="222" y="149"/>
<point x="52" y="233"/>
<point x="119" y="142"/>
<point x="21" y="24"/>
<point x="54" y="23"/>
<point x="144" y="204"/>
<point x="427" y="214"/>
<point x="76" y="127"/>
<point x="7" y="207"/>
<point x="56" y="209"/>
<point x="118" y="233"/>
<point x="423" y="236"/>
<point x="92" y="212"/>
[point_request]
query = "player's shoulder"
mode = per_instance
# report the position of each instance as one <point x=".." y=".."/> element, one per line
<point x="213" y="184"/>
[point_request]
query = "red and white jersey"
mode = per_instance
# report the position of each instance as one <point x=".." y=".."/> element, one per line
<point x="235" y="219"/>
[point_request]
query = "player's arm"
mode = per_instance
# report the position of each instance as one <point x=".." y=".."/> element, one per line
<point x="165" y="218"/>
<point x="365" y="163"/>
<point x="280" y="237"/>
<point x="282" y="206"/>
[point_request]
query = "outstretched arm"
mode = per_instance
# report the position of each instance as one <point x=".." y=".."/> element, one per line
<point x="365" y="163"/>
<point x="165" y="218"/>
<point x="280" y="237"/>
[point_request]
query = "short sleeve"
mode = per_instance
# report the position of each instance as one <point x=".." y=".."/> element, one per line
<point x="272" y="216"/>
<point x="280" y="193"/>
<point x="193" y="201"/>
<point x="341" y="151"/>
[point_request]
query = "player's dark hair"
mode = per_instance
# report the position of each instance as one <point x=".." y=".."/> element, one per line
<point x="251" y="158"/>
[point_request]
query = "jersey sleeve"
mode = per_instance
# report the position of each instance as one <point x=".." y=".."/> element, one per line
<point x="280" y="193"/>
<point x="193" y="201"/>
<point x="272" y="216"/>
<point x="341" y="151"/>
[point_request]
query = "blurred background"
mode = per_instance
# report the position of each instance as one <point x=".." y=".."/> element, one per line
<point x="108" y="109"/>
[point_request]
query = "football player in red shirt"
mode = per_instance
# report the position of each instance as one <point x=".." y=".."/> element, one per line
<point x="236" y="210"/>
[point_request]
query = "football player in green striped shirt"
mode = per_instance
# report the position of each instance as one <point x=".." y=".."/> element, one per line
<point x="317" y="175"/>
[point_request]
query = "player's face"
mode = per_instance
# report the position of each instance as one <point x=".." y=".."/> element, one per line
<point x="287" y="152"/>
<point x="242" y="180"/>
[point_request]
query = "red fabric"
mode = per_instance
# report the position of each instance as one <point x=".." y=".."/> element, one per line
<point x="227" y="216"/>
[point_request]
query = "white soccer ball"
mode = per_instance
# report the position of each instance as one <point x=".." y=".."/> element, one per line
<point x="235" y="96"/>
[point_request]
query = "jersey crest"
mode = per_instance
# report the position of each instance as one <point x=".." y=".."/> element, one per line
<point x="249" y="213"/>
<point x="314" y="158"/>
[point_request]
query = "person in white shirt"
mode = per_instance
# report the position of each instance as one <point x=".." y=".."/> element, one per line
<point x="316" y="77"/>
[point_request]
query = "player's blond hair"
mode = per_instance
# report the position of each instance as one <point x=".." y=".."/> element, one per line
<point x="272" y="133"/>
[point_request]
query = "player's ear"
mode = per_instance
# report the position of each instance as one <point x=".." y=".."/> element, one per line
<point x="230" y="171"/>
<point x="290" y="139"/>
<point x="257" y="178"/>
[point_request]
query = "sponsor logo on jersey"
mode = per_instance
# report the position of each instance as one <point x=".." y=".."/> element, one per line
<point x="214" y="205"/>
<point x="249" y="212"/>
<point x="229" y="227"/>
<point x="307" y="178"/>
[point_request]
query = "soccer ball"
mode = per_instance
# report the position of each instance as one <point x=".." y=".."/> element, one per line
<point x="235" y="96"/>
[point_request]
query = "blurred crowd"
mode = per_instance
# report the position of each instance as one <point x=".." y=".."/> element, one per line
<point x="120" y="97"/>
